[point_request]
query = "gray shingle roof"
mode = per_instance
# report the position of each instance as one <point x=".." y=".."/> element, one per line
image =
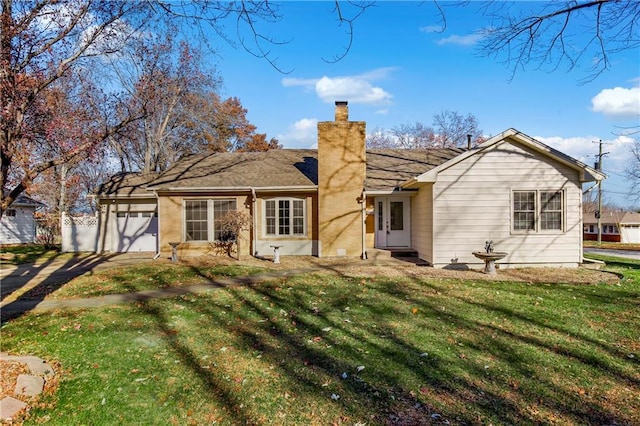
<point x="386" y="169"/>
<point x="274" y="168"/>
<point x="127" y="185"/>
<point x="23" y="200"/>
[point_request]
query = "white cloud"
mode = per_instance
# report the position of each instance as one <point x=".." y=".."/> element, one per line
<point x="466" y="40"/>
<point x="355" y="89"/>
<point x="432" y="29"/>
<point x="301" y="134"/>
<point x="617" y="102"/>
<point x="616" y="160"/>
<point x="585" y="149"/>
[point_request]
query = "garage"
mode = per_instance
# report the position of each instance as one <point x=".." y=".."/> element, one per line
<point x="136" y="232"/>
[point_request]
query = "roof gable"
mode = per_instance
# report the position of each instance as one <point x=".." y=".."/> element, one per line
<point x="23" y="200"/>
<point x="587" y="174"/>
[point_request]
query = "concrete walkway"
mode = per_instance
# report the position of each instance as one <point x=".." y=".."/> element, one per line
<point x="20" y="306"/>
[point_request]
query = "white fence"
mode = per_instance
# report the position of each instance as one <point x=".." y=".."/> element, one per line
<point x="80" y="233"/>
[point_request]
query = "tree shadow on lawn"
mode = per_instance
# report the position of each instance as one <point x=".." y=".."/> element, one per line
<point x="453" y="388"/>
<point x="509" y="346"/>
<point x="28" y="276"/>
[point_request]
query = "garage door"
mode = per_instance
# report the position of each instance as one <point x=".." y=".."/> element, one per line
<point x="136" y="231"/>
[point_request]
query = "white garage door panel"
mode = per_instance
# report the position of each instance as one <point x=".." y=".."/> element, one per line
<point x="137" y="232"/>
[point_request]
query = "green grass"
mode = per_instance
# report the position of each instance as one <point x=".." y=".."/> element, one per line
<point x="29" y="253"/>
<point x="471" y="352"/>
<point x="149" y="276"/>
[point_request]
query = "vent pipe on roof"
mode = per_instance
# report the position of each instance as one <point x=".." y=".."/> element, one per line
<point x="468" y="142"/>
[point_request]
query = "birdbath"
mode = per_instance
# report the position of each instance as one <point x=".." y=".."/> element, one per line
<point x="276" y="254"/>
<point x="490" y="260"/>
<point x="174" y="251"/>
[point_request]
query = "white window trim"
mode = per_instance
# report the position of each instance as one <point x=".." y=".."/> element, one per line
<point x="538" y="211"/>
<point x="277" y="234"/>
<point x="210" y="218"/>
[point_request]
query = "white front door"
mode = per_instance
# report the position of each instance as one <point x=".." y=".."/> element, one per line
<point x="393" y="221"/>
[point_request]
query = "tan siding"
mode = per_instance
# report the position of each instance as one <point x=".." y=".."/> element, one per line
<point x="171" y="224"/>
<point x="300" y="245"/>
<point x="472" y="204"/>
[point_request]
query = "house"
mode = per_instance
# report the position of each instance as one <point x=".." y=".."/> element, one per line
<point x="341" y="200"/>
<point x="18" y="224"/>
<point x="617" y="226"/>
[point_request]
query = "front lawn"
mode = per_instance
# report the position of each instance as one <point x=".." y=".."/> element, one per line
<point x="27" y="253"/>
<point x="324" y="349"/>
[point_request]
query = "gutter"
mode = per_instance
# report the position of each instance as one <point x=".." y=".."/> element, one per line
<point x="237" y="189"/>
<point x="157" y="255"/>
<point x="363" y="202"/>
<point x="254" y="220"/>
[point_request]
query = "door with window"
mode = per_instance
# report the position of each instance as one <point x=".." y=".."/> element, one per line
<point x="393" y="228"/>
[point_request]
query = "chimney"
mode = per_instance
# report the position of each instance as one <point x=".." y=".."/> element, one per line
<point x="342" y="111"/>
<point x="341" y="176"/>
<point x="468" y="142"/>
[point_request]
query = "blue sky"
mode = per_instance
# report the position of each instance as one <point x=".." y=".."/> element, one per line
<point x="399" y="71"/>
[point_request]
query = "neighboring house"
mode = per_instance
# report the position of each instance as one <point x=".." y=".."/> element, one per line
<point x="617" y="226"/>
<point x="339" y="200"/>
<point x="630" y="228"/>
<point x="18" y="224"/>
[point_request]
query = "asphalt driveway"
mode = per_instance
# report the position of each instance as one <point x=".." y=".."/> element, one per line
<point x="627" y="254"/>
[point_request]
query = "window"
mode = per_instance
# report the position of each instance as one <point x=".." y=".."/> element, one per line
<point x="202" y="218"/>
<point x="538" y="211"/>
<point x="10" y="213"/>
<point x="220" y="208"/>
<point x="524" y="210"/>
<point x="551" y="210"/>
<point x="284" y="216"/>
<point x="610" y="229"/>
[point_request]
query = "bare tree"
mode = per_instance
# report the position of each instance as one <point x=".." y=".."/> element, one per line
<point x="42" y="41"/>
<point x="633" y="171"/>
<point x="453" y="129"/>
<point x="450" y="130"/>
<point x="550" y="35"/>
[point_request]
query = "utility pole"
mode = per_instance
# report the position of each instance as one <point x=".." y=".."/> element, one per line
<point x="599" y="211"/>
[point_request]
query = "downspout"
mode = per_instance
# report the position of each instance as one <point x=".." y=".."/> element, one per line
<point x="253" y="221"/>
<point x="157" y="255"/>
<point x="363" y="201"/>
